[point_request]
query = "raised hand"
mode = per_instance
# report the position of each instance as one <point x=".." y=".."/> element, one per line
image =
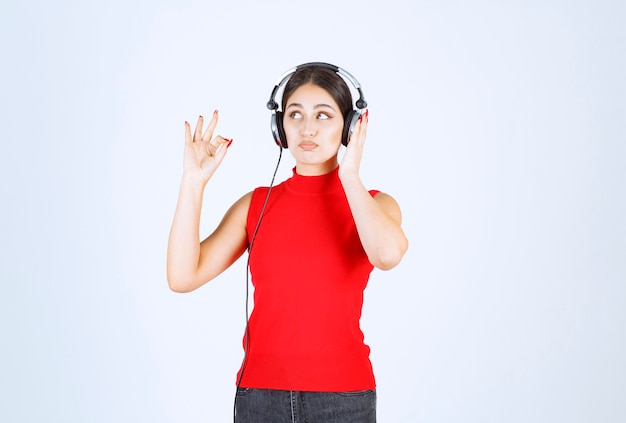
<point x="351" y="160"/>
<point x="203" y="153"/>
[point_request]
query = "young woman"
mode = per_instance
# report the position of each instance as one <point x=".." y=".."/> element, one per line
<point x="313" y="240"/>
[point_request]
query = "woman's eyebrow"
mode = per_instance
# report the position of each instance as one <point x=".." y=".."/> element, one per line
<point x="317" y="106"/>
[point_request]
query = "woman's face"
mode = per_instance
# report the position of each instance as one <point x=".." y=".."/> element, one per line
<point x="313" y="126"/>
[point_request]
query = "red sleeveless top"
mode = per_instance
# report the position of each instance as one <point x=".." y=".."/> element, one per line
<point x="309" y="271"/>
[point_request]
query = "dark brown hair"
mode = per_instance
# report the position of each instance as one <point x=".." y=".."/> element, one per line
<point x="324" y="78"/>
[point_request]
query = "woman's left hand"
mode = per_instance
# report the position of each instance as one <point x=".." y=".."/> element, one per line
<point x="354" y="151"/>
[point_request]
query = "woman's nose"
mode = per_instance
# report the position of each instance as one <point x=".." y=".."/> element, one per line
<point x="308" y="128"/>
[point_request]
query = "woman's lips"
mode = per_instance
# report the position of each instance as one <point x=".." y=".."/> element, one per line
<point x="307" y="145"/>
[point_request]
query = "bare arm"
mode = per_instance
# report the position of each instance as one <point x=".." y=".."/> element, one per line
<point x="378" y="220"/>
<point x="190" y="263"/>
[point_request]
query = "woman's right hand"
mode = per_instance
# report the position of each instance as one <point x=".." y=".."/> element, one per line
<point x="203" y="153"/>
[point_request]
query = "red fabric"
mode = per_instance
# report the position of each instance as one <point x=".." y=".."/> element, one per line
<point x="309" y="271"/>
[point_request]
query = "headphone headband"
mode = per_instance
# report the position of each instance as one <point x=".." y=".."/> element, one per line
<point x="276" y="123"/>
<point x="360" y="103"/>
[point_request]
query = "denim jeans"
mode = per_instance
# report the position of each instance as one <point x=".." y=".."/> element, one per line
<point x="273" y="406"/>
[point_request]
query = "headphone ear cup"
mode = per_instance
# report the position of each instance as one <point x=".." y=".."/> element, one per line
<point x="281" y="130"/>
<point x="349" y="125"/>
<point x="278" y="131"/>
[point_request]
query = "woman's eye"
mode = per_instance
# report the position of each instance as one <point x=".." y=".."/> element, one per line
<point x="295" y="115"/>
<point x="323" y="116"/>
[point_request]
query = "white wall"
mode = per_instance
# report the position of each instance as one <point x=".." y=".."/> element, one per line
<point x="498" y="126"/>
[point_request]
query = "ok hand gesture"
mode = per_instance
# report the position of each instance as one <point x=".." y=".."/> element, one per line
<point x="203" y="153"/>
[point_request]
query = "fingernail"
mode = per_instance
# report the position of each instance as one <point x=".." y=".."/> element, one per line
<point x="200" y="117"/>
<point x="229" y="142"/>
<point x="215" y="111"/>
<point x="367" y="115"/>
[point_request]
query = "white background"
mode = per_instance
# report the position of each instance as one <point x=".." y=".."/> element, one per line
<point x="498" y="126"/>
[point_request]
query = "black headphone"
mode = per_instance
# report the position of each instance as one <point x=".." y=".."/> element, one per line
<point x="276" y="123"/>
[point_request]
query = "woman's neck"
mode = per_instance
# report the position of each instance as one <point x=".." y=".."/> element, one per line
<point x="308" y="169"/>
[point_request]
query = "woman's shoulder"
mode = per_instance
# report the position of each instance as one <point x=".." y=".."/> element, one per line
<point x="382" y="197"/>
<point x="242" y="204"/>
<point x="388" y="203"/>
